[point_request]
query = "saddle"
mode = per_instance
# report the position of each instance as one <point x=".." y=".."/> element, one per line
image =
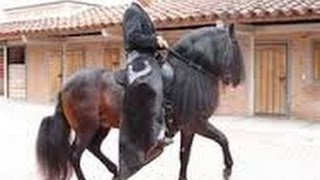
<point x="126" y="76"/>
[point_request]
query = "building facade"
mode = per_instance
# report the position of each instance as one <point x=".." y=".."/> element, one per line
<point x="280" y="43"/>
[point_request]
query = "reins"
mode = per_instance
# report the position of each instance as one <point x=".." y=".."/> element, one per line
<point x="191" y="64"/>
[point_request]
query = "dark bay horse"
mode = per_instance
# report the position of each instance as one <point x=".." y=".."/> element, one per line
<point x="90" y="104"/>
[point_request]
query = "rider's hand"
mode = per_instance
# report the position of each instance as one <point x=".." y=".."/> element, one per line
<point x="162" y="42"/>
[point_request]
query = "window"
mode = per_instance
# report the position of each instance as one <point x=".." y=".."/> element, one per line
<point x="16" y="55"/>
<point x="316" y="61"/>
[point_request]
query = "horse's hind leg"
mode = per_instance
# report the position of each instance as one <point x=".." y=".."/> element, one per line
<point x="95" y="149"/>
<point x="208" y="130"/>
<point x="185" y="148"/>
<point x="80" y="143"/>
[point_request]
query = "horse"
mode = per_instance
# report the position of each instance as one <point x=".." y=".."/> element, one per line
<point x="90" y="103"/>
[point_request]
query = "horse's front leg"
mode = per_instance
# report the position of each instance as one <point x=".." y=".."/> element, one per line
<point x="185" y="148"/>
<point x="209" y="131"/>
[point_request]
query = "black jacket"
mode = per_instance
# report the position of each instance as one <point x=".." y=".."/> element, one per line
<point x="138" y="31"/>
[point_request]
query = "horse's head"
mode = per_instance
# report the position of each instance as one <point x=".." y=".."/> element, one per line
<point x="231" y="63"/>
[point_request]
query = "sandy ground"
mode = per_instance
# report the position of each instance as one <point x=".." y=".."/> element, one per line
<point x="263" y="149"/>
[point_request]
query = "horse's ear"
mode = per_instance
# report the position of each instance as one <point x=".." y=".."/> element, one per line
<point x="231" y="29"/>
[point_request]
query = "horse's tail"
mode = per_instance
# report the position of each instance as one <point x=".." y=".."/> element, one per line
<point x="53" y="147"/>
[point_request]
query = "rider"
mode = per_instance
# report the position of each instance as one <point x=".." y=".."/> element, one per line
<point x="141" y="40"/>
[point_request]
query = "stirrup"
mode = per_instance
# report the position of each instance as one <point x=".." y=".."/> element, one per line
<point x="154" y="152"/>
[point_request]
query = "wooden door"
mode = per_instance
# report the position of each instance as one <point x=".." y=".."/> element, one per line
<point x="74" y="61"/>
<point x="111" y="59"/>
<point x="2" y="71"/>
<point x="316" y="61"/>
<point x="271" y="79"/>
<point x="54" y="59"/>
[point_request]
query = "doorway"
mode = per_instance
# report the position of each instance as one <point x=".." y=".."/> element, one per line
<point x="271" y="79"/>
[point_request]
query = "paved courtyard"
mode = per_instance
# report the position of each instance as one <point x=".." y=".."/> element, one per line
<point x="263" y="149"/>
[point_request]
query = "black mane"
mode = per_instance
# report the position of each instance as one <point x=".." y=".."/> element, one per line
<point x="203" y="46"/>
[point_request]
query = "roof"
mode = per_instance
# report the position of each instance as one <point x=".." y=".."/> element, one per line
<point x="63" y="8"/>
<point x="175" y="12"/>
<point x="49" y="3"/>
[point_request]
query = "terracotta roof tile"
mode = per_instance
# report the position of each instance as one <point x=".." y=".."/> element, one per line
<point x="175" y="10"/>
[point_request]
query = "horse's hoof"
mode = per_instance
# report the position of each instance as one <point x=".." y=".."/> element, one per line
<point x="227" y="173"/>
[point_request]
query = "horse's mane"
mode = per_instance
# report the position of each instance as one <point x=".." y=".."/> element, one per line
<point x="195" y="94"/>
<point x="202" y="45"/>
